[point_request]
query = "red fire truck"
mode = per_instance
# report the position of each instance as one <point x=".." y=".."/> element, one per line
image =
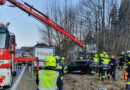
<point x="7" y="54"/>
<point x="7" y="42"/>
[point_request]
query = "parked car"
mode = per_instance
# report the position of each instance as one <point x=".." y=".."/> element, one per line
<point x="80" y="66"/>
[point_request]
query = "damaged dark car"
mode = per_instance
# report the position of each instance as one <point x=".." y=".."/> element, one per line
<point x="80" y="66"/>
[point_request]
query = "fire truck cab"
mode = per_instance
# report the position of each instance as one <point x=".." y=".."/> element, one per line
<point x="7" y="54"/>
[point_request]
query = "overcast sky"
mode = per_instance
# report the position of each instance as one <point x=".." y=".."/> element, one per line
<point x="24" y="27"/>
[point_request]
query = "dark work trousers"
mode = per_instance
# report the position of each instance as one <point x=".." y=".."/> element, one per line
<point x="61" y="85"/>
<point x="100" y="72"/>
<point x="93" y="70"/>
<point x="121" y="64"/>
<point x="113" y="73"/>
<point x="108" y="74"/>
<point x="104" y="72"/>
<point x="128" y="78"/>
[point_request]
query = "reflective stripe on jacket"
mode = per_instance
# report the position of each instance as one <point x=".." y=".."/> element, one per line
<point x="47" y="79"/>
<point x="95" y="62"/>
<point x="65" y="69"/>
<point x="105" y="63"/>
<point x="60" y="68"/>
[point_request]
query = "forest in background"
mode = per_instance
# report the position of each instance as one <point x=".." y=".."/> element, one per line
<point x="104" y="21"/>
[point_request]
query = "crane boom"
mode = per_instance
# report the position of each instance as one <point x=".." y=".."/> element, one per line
<point x="42" y="17"/>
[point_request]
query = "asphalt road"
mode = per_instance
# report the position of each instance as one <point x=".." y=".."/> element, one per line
<point x="17" y="78"/>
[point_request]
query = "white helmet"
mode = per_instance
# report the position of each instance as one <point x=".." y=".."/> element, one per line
<point x="128" y="52"/>
<point x="57" y="57"/>
<point x="81" y="58"/>
<point x="122" y="53"/>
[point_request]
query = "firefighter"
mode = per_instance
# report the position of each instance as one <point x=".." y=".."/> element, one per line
<point x="101" y="57"/>
<point x="113" y="67"/>
<point x="128" y="71"/>
<point x="48" y="78"/>
<point x="105" y="66"/>
<point x="121" y="60"/>
<point x="63" y="60"/>
<point x="94" y="64"/>
<point x="62" y="69"/>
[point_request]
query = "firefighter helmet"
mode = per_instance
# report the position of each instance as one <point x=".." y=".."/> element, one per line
<point x="122" y="53"/>
<point x="50" y="61"/>
<point x="57" y="57"/>
<point x="104" y="52"/>
<point x="96" y="55"/>
<point x="101" y="55"/>
<point x="106" y="56"/>
<point x="62" y="58"/>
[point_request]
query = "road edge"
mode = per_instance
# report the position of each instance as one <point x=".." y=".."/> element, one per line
<point x="15" y="86"/>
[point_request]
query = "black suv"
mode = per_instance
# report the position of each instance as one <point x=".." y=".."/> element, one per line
<point x="80" y="66"/>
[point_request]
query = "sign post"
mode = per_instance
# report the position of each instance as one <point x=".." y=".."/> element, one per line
<point x="42" y="53"/>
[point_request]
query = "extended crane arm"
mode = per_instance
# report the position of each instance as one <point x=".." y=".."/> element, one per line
<point x="42" y="17"/>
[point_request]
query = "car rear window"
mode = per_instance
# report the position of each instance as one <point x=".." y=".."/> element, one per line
<point x="81" y="63"/>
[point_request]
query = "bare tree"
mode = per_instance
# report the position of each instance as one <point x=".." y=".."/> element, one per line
<point x="101" y="20"/>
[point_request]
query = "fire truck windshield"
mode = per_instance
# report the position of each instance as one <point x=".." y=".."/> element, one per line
<point x="2" y="40"/>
